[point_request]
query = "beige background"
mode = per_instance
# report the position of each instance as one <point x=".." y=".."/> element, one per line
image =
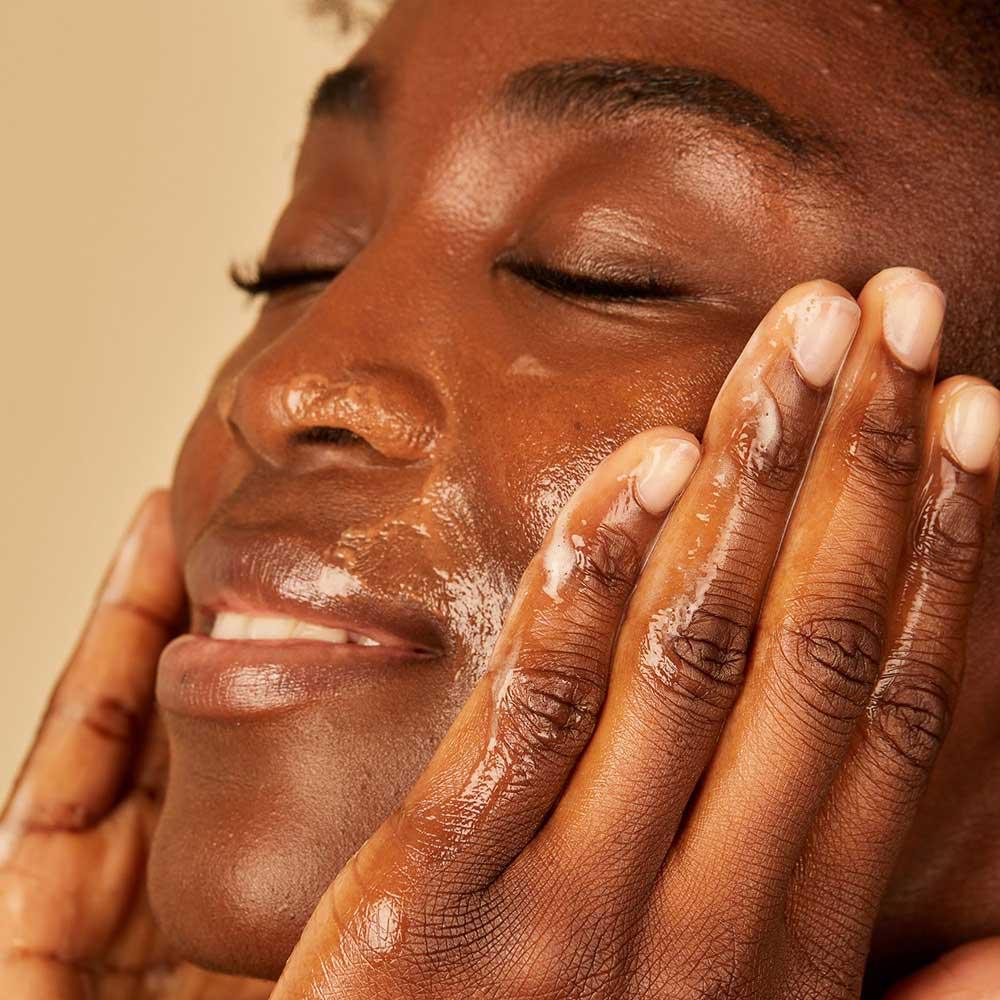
<point x="144" y="145"/>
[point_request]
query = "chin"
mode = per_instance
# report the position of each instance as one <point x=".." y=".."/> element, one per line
<point x="258" y="819"/>
<point x="231" y="888"/>
<point x="242" y="921"/>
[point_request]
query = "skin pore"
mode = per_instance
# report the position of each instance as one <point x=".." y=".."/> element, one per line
<point x="420" y="420"/>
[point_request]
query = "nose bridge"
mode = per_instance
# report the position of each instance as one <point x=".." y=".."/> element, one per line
<point x="341" y="375"/>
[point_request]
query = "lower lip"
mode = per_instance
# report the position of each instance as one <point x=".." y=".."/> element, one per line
<point x="232" y="679"/>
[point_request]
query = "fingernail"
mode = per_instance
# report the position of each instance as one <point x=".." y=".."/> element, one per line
<point x="912" y="315"/>
<point x="824" y="326"/>
<point x="972" y="427"/>
<point x="664" y="472"/>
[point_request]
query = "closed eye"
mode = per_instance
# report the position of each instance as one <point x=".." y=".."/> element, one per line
<point x="614" y="285"/>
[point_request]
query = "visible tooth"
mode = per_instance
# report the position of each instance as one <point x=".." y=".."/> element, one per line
<point x="234" y="625"/>
<point x="230" y="625"/>
<point x="271" y="628"/>
<point x="306" y="630"/>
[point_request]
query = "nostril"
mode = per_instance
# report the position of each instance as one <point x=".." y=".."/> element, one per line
<point x="307" y="421"/>
<point x="376" y="411"/>
<point x="339" y="437"/>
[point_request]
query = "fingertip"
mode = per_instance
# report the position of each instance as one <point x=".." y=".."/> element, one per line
<point x="946" y="388"/>
<point x="889" y="277"/>
<point x="970" y="972"/>
<point x="813" y="286"/>
<point x="968" y="411"/>
<point x="822" y="319"/>
<point x="670" y="456"/>
<point x="156" y="502"/>
<point x="906" y="307"/>
<point x="144" y="569"/>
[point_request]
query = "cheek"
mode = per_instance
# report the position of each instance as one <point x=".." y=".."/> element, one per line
<point x="555" y="433"/>
<point x="196" y="489"/>
<point x="208" y="469"/>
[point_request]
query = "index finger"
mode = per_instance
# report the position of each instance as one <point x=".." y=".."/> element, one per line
<point x="98" y="712"/>
<point x="506" y="757"/>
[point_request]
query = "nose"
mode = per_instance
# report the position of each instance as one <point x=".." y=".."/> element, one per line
<point x="299" y="413"/>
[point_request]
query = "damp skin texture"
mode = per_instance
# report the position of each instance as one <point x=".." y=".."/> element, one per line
<point x="672" y="694"/>
<point x="480" y="402"/>
<point x="523" y="391"/>
<point x="627" y="734"/>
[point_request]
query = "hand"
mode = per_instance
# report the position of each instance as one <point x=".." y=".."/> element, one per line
<point x="696" y="751"/>
<point x="971" y="972"/>
<point x="74" y="836"/>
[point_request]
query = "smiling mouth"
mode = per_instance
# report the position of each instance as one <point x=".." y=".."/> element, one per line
<point x="273" y="628"/>
<point x="253" y="665"/>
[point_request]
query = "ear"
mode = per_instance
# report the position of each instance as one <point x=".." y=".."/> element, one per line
<point x="971" y="972"/>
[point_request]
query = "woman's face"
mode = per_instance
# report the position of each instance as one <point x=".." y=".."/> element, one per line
<point x="384" y="451"/>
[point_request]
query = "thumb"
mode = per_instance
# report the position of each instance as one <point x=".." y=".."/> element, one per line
<point x="971" y="972"/>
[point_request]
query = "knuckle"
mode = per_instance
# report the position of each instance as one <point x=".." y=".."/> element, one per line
<point x="886" y="446"/>
<point x="54" y="816"/>
<point x="699" y="656"/>
<point x="712" y="953"/>
<point x="611" y="562"/>
<point x="112" y="719"/>
<point x="832" y="659"/>
<point x="577" y="947"/>
<point x="908" y="719"/>
<point x="418" y="836"/>
<point x="949" y="535"/>
<point x="552" y="699"/>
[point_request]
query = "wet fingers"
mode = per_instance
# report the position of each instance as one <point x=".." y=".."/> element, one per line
<point x="875" y="796"/>
<point x="682" y="650"/>
<point x="95" y="721"/>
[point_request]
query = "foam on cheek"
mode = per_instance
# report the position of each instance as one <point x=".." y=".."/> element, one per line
<point x="529" y="366"/>
<point x="336" y="581"/>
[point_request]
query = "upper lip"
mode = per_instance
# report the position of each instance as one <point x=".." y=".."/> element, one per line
<point x="256" y="571"/>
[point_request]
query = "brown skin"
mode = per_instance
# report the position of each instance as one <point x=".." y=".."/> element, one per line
<point x="435" y="192"/>
<point x="75" y="921"/>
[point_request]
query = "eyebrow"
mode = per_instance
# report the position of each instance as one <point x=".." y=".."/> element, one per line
<point x="596" y="91"/>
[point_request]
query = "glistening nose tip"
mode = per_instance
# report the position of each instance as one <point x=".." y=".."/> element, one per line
<point x="299" y="420"/>
<point x="379" y="413"/>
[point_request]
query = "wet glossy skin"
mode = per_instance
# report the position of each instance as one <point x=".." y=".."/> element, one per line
<point x="483" y="400"/>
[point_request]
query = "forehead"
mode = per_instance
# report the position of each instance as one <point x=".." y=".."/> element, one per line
<point x="818" y="63"/>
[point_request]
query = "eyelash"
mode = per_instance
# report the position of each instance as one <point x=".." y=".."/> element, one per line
<point x="261" y="281"/>
<point x="632" y="287"/>
<point x="257" y="280"/>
